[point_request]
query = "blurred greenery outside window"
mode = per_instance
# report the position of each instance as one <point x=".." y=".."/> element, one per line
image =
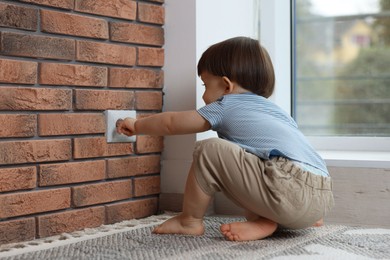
<point x="341" y="68"/>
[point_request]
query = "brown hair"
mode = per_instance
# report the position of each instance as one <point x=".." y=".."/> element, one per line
<point x="242" y="60"/>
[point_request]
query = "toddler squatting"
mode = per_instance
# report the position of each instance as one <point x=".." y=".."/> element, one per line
<point x="261" y="160"/>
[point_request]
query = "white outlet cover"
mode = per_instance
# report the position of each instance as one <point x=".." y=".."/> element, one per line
<point x="111" y="117"/>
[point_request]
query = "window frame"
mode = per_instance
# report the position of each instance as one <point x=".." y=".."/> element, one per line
<point x="276" y="32"/>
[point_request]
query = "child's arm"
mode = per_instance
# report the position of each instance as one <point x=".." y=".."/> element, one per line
<point x="167" y="123"/>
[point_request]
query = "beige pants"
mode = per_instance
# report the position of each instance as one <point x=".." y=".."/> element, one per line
<point x="276" y="189"/>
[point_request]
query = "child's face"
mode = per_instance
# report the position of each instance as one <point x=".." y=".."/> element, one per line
<point x="214" y="87"/>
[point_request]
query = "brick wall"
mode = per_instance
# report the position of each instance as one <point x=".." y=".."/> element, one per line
<point x="62" y="63"/>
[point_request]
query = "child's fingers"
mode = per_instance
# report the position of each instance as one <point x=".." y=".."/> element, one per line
<point x="121" y="128"/>
<point x="118" y="125"/>
<point x="119" y="122"/>
<point x="127" y="132"/>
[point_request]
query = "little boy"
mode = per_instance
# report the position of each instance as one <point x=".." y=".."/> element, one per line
<point x="261" y="161"/>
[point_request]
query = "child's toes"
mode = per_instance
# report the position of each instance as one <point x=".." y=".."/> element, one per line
<point x="225" y="228"/>
<point x="228" y="235"/>
<point x="156" y="229"/>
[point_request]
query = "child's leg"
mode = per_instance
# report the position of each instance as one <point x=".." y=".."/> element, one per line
<point x="190" y="221"/>
<point x="254" y="228"/>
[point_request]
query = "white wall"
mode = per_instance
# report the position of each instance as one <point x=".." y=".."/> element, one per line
<point x="275" y="37"/>
<point x="180" y="92"/>
<point x="190" y="27"/>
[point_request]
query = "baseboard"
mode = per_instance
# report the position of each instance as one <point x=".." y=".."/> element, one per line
<point x="361" y="197"/>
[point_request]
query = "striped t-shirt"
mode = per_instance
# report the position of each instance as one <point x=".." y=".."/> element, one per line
<point x="261" y="128"/>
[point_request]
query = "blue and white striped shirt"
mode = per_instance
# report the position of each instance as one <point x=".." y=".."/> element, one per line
<point x="261" y="128"/>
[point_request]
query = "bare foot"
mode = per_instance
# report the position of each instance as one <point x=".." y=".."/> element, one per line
<point x="249" y="230"/>
<point x="181" y="225"/>
<point x="319" y="223"/>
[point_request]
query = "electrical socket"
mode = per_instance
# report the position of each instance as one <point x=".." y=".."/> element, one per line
<point x="111" y="117"/>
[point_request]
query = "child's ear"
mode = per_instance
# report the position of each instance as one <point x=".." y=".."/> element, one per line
<point x="229" y="86"/>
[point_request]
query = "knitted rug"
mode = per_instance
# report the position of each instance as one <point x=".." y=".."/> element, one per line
<point x="134" y="240"/>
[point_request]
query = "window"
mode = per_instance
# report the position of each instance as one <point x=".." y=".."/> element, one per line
<point x="341" y="100"/>
<point x="341" y="67"/>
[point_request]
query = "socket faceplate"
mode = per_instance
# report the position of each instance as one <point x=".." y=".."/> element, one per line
<point x="111" y="117"/>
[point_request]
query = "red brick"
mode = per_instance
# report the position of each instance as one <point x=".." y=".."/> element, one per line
<point x="22" y="72"/>
<point x="136" y="33"/>
<point x="18" y="125"/>
<point x="65" y="4"/>
<point x="17" y="44"/>
<point x="71" y="124"/>
<point x="150" y="13"/>
<point x="146" y="186"/>
<point x="33" y="151"/>
<point x="68" y="221"/>
<point x="19" y="17"/>
<point x="75" y="75"/>
<point x="17" y="230"/>
<point x="12" y="179"/>
<point x="148" y="100"/>
<point x="105" y="53"/>
<point x="72" y="24"/>
<point x="135" y="165"/>
<point x="150" y="57"/>
<point x="129" y="210"/>
<point x="101" y="193"/>
<point x="124" y="9"/>
<point x="149" y="144"/>
<point x="135" y="78"/>
<point x="98" y="147"/>
<point x="65" y="173"/>
<point x="25" y="203"/>
<point x="35" y="99"/>
<point x="103" y="99"/>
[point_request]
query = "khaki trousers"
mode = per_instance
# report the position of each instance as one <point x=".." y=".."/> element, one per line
<point x="277" y="189"/>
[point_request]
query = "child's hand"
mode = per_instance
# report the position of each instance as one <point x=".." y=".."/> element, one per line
<point x="126" y="126"/>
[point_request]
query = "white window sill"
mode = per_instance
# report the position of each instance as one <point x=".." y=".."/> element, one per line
<point x="359" y="159"/>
